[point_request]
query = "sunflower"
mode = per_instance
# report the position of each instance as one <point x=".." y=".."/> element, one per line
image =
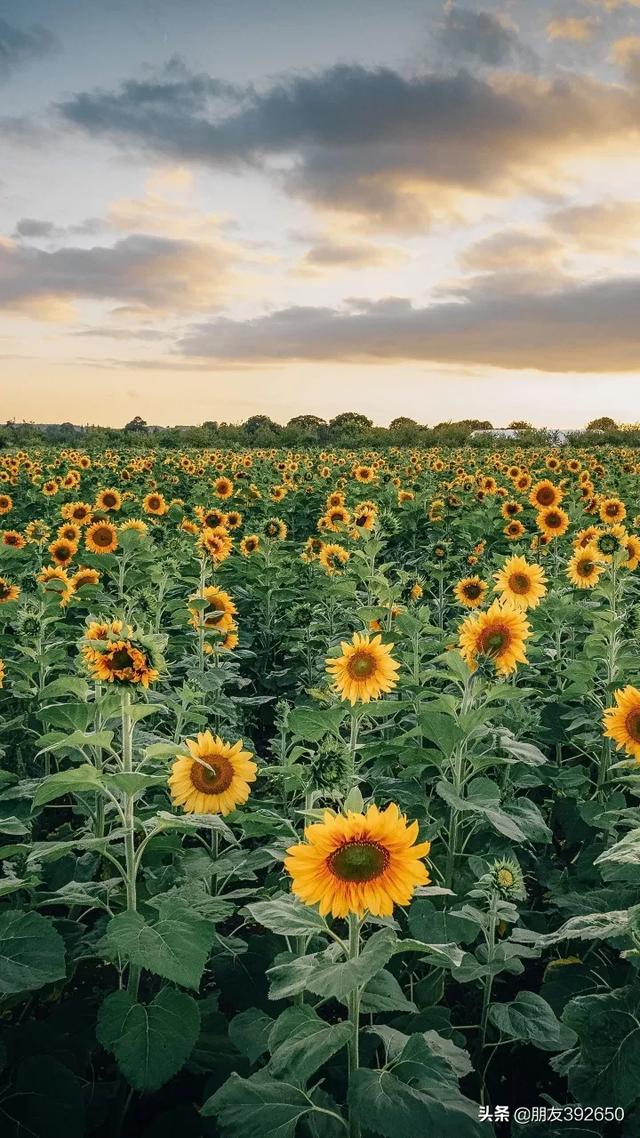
<point x="85" y="577"/>
<point x="358" y="863"/>
<point x="583" y="569"/>
<point x="416" y="591"/>
<point x="545" y="494"/>
<point x="633" y="550"/>
<point x="585" y="537"/>
<point x="499" y="633"/>
<point x="234" y="519"/>
<point x="553" y="522"/>
<point x="312" y="549"/>
<point x="510" y="508"/>
<point x="70" y="532"/>
<point x="155" y="504"/>
<point x="471" y="592"/>
<point x="364" y="474"/>
<point x="211" y="519"/>
<point x="121" y="661"/>
<point x="2" y="673"/>
<point x="622" y="722"/>
<point x="216" y="542"/>
<point x="50" y="488"/>
<point x="223" y="487"/>
<point x="13" y="538"/>
<point x="611" y="541"/>
<point x="333" y="558"/>
<point x="6" y="503"/>
<point x="249" y="544"/>
<point x="364" y="515"/>
<point x="62" y="552"/>
<point x="337" y="518"/>
<point x="514" y="530"/>
<point x="55" y="579"/>
<point x="219" y="611"/>
<point x="134" y="525"/>
<point x="101" y="537"/>
<point x="109" y="500"/>
<point x="520" y="583"/>
<point x="612" y="510"/>
<point x="365" y="669"/>
<point x="213" y="778"/>
<point x="275" y="529"/>
<point x="8" y="592"/>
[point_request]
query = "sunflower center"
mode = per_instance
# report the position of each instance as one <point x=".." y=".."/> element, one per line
<point x="121" y="659"/>
<point x="632" y="724"/>
<point x="505" y="878"/>
<point x="109" y="499"/>
<point x="4" y="590"/>
<point x="519" y="583"/>
<point x="102" y="536"/>
<point x="493" y="641"/>
<point x="361" y="666"/>
<point x="359" y="861"/>
<point x="607" y="543"/>
<point x="611" y="510"/>
<point x="585" y="568"/>
<point x="553" y="520"/>
<point x="215" y="777"/>
<point x="472" y="592"/>
<point x="545" y="496"/>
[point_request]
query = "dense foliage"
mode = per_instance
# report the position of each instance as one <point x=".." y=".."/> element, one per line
<point x="232" y="682"/>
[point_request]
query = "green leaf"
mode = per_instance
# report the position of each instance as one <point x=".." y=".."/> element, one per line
<point x="285" y="915"/>
<point x="31" y="952"/>
<point x="259" y="1107"/>
<point x="13" y="826"/>
<point x="300" y="1042"/>
<point x="591" y="926"/>
<point x="322" y="974"/>
<point x="393" y="1109"/>
<point x="605" y="1071"/>
<point x="384" y="994"/>
<point x="66" y="685"/>
<point x="151" y="1042"/>
<point x="439" y="926"/>
<point x="176" y="947"/>
<point x="523" y="752"/>
<point x="624" y="852"/>
<point x="189" y="823"/>
<point x="249" y="1032"/>
<point x="73" y="781"/>
<point x="78" y="740"/>
<point x="133" y="782"/>
<point x="439" y="728"/>
<point x="312" y="724"/>
<point x="531" y="1019"/>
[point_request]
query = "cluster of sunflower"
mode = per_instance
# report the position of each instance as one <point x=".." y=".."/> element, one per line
<point x="113" y="653"/>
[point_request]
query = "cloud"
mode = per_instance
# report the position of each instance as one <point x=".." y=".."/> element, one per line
<point x="625" y="53"/>
<point x="394" y="151"/>
<point x="604" y="226"/>
<point x="18" y="47"/>
<point x="579" y="327"/>
<point x="578" y="29"/>
<point x="484" y="36"/>
<point x="329" y="253"/>
<point x="522" y="252"/>
<point x="146" y="271"/>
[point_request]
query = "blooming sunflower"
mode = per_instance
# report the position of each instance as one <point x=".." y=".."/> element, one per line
<point x="219" y="611"/>
<point x="612" y="510"/>
<point x="155" y="504"/>
<point x="545" y="494"/>
<point x="514" y="530"/>
<point x="633" y="551"/>
<point x="365" y="669"/>
<point x="109" y="499"/>
<point x="249" y="544"/>
<point x="498" y="633"/>
<point x="471" y="592"/>
<point x="213" y="778"/>
<point x="358" y="863"/>
<point x="333" y="557"/>
<point x="84" y="577"/>
<point x="622" y="722"/>
<point x="121" y="661"/>
<point x="2" y="673"/>
<point x="77" y="512"/>
<point x="275" y="529"/>
<point x="13" y="538"/>
<point x="521" y="583"/>
<point x="6" y="503"/>
<point x="62" y="551"/>
<point x="8" y="592"/>
<point x="216" y="542"/>
<point x="553" y="522"/>
<point x="583" y="569"/>
<point x="101" y="537"/>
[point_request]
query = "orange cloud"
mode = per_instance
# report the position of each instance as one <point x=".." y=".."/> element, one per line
<point x="578" y="29"/>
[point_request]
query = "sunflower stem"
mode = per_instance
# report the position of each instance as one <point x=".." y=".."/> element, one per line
<point x="353" y="743"/>
<point x="354" y="1019"/>
<point x="129" y="827"/>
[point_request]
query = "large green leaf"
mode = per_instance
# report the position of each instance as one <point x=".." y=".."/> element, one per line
<point x="286" y="915"/>
<point x="323" y="974"/>
<point x="608" y="1028"/>
<point x="31" y="952"/>
<point x="176" y="947"/>
<point x="249" y="1032"/>
<point x="259" y="1107"/>
<point x="73" y="781"/>
<point x="312" y="724"/>
<point x="151" y="1042"/>
<point x="531" y="1019"/>
<point x="392" y="1108"/>
<point x="300" y="1042"/>
<point x="439" y="926"/>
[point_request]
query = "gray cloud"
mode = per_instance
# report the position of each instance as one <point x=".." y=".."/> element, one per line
<point x="580" y="327"/>
<point x="38" y="229"/>
<point x="370" y="141"/>
<point x="482" y="36"/>
<point x="153" y="272"/>
<point x="18" y="47"/>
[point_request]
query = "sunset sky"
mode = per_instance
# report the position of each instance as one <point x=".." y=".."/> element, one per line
<point x="216" y="208"/>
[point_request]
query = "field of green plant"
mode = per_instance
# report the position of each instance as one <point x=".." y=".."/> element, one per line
<point x="318" y="793"/>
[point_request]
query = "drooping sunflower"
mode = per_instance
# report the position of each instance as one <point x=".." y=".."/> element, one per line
<point x="219" y="611"/>
<point x="2" y="673"/>
<point x="365" y="669"/>
<point x="337" y="518"/>
<point x="358" y="863"/>
<point x="522" y="584"/>
<point x="333" y="558"/>
<point x="101" y="537"/>
<point x="499" y="634"/>
<point x="553" y="522"/>
<point x="583" y="569"/>
<point x="134" y="525"/>
<point x="545" y="494"/>
<point x="109" y="499"/>
<point x="622" y="722"/>
<point x="8" y="592"/>
<point x="55" y="580"/>
<point x="216" y="542"/>
<point x="249" y="544"/>
<point x="121" y="661"/>
<point x="85" y="577"/>
<point x="213" y="778"/>
<point x="471" y="592"/>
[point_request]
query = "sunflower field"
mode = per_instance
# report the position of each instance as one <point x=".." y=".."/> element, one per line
<point x="318" y="793"/>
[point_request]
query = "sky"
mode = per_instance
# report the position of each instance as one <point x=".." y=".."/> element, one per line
<point x="218" y="208"/>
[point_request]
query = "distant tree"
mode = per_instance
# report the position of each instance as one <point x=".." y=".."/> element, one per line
<point x="402" y="423"/>
<point x="136" y="424"/>
<point x="308" y="422"/>
<point x="520" y="425"/>
<point x="604" y="423"/>
<point x="349" y="422"/>
<point x="260" y="423"/>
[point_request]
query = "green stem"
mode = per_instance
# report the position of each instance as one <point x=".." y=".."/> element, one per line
<point x="353" y="743"/>
<point x="488" y="984"/>
<point x="129" y="826"/>
<point x="354" y="1020"/>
